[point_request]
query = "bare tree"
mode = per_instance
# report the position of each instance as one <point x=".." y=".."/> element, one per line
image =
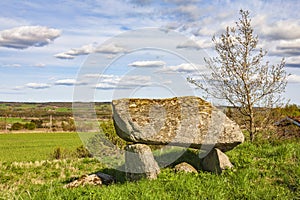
<point x="240" y="75"/>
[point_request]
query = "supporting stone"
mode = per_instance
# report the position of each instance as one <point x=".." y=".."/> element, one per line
<point x="216" y="161"/>
<point x="140" y="163"/>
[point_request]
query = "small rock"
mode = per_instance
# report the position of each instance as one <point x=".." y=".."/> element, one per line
<point x="92" y="179"/>
<point x="106" y="179"/>
<point x="216" y="161"/>
<point x="185" y="167"/>
<point x="140" y="163"/>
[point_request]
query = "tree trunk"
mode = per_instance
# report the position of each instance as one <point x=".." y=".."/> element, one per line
<point x="251" y="125"/>
<point x="5" y="123"/>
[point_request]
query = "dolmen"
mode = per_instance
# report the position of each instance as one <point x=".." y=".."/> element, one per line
<point x="187" y="121"/>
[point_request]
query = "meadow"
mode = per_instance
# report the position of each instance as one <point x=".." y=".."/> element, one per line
<point x="263" y="170"/>
<point x="35" y="146"/>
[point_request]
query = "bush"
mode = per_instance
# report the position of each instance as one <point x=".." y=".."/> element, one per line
<point x="57" y="153"/>
<point x="110" y="133"/>
<point x="30" y="126"/>
<point x="61" y="153"/>
<point x="82" y="152"/>
<point x="38" y="123"/>
<point x="68" y="125"/>
<point x="17" y="126"/>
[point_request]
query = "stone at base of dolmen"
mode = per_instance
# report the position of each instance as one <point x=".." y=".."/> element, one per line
<point x="140" y="163"/>
<point x="216" y="161"/>
<point x="185" y="167"/>
<point x="180" y="121"/>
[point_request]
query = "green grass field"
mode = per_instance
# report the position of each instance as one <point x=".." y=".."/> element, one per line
<point x="34" y="146"/>
<point x="11" y="120"/>
<point x="264" y="170"/>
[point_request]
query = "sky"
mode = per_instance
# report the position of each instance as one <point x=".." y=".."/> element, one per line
<point x="102" y="50"/>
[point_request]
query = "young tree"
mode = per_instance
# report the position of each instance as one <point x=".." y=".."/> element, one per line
<point x="239" y="74"/>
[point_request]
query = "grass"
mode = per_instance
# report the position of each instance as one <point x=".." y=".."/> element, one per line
<point x="34" y="146"/>
<point x="63" y="109"/>
<point x="11" y="120"/>
<point x="265" y="170"/>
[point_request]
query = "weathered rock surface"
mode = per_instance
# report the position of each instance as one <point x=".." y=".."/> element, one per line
<point x="92" y="179"/>
<point x="140" y="163"/>
<point x="185" y="167"/>
<point x="181" y="121"/>
<point x="216" y="161"/>
<point x="105" y="178"/>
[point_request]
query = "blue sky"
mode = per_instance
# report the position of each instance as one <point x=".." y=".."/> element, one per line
<point x="45" y="46"/>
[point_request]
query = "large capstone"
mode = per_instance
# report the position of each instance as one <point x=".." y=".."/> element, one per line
<point x="181" y="121"/>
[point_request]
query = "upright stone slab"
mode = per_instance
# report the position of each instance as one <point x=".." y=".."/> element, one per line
<point x="181" y="121"/>
<point x="216" y="161"/>
<point x="140" y="163"/>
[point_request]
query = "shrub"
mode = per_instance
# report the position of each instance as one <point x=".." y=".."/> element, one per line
<point x="61" y="153"/>
<point x="38" y="123"/>
<point x="82" y="152"/>
<point x="57" y="153"/>
<point x="30" y="126"/>
<point x="17" y="126"/>
<point x="110" y="133"/>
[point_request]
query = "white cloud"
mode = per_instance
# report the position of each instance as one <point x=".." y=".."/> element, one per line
<point x="195" y="45"/>
<point x="66" y="82"/>
<point x="289" y="48"/>
<point x="98" y="76"/>
<point x="37" y="85"/>
<point x="70" y="82"/>
<point x="282" y="30"/>
<point x="148" y="63"/>
<point x="183" y="68"/>
<point x="18" y="88"/>
<point x="283" y="48"/>
<point x="39" y="65"/>
<point x="110" y="49"/>
<point x="105" y="86"/>
<point x="64" y="56"/>
<point x="294" y="78"/>
<point x="125" y="82"/>
<point x="26" y="36"/>
<point x="293" y="60"/>
<point x="84" y="50"/>
<point x="13" y="65"/>
<point x="189" y="44"/>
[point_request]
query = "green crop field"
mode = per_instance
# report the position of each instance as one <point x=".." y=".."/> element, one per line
<point x="263" y="170"/>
